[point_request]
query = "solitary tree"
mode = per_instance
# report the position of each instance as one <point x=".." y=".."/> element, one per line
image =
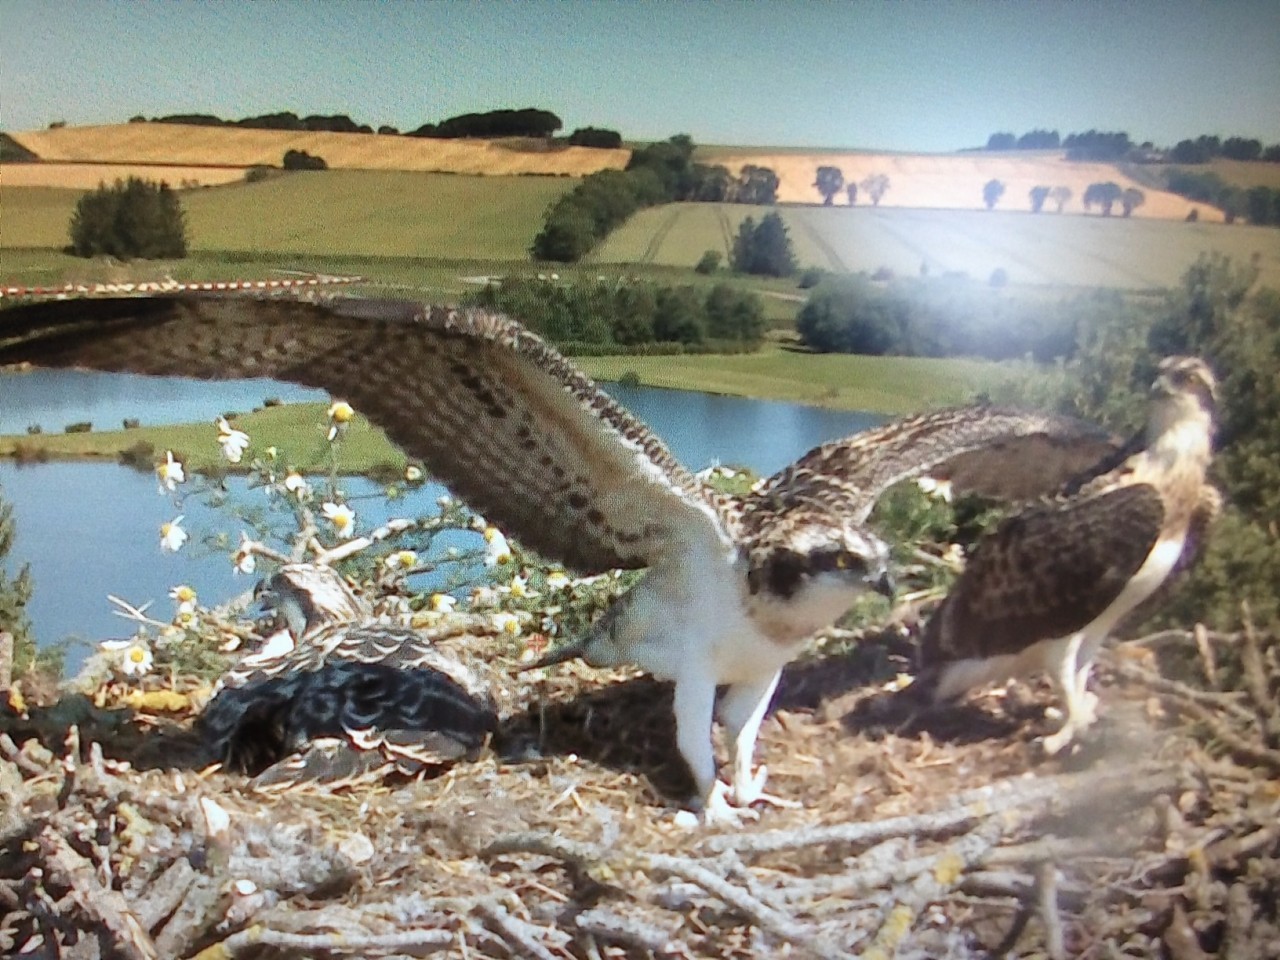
<point x="1104" y="195"/>
<point x="875" y="185"/>
<point x="852" y="190"/>
<point x="1131" y="199"/>
<point x="133" y="218"/>
<point x="830" y="181"/>
<point x="992" y="191"/>
<point x="764" y="248"/>
<point x="1061" y="196"/>
<point x="1038" y="196"/>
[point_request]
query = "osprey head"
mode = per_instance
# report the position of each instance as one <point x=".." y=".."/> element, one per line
<point x="1188" y="379"/>
<point x="307" y="597"/>
<point x="816" y="552"/>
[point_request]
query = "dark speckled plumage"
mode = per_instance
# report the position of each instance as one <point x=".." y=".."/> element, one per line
<point x="352" y="699"/>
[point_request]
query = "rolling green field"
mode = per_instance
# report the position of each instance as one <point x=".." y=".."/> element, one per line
<point x="298" y="430"/>
<point x="888" y="385"/>
<point x="1044" y="249"/>
<point x="333" y="212"/>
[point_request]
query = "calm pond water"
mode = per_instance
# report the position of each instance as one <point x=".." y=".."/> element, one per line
<point x="91" y="529"/>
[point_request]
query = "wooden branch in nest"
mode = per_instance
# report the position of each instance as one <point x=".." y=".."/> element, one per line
<point x="100" y="905"/>
<point x="417" y="942"/>
<point x="966" y="808"/>
<point x="589" y="857"/>
<point x="1242" y="749"/>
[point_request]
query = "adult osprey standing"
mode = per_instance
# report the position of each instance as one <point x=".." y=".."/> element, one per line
<point x="735" y="584"/>
<point x="1047" y="586"/>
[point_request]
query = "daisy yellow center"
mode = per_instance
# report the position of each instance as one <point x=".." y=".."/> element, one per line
<point x="137" y="655"/>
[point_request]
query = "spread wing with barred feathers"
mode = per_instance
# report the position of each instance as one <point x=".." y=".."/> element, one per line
<point x="1046" y="572"/>
<point x="1006" y="454"/>
<point x="507" y="423"/>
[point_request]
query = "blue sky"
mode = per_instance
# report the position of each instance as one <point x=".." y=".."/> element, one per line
<point x="881" y="74"/>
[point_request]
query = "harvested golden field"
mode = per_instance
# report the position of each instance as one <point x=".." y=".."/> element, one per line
<point x="955" y="181"/>
<point x="233" y="147"/>
<point x="87" y="176"/>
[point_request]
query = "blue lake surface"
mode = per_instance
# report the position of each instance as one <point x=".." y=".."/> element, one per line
<point x="92" y="529"/>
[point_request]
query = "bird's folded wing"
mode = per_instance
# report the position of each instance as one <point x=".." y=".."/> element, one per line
<point x="1046" y="572"/>
<point x="506" y="422"/>
<point x="1006" y="454"/>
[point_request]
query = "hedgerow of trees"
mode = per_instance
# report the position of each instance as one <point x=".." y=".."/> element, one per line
<point x="662" y="172"/>
<point x="526" y="122"/>
<point x="1259" y="205"/>
<point x="638" y="317"/>
<point x="1096" y="145"/>
<point x="935" y="317"/>
<point x="132" y="218"/>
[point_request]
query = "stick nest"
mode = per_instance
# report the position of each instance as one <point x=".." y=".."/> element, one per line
<point x="944" y="835"/>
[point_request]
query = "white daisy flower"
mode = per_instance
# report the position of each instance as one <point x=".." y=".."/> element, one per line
<point x="172" y="536"/>
<point x="342" y="517"/>
<point x="244" y="560"/>
<point x="413" y="473"/>
<point x="520" y="588"/>
<point x="507" y="623"/>
<point x="136" y="659"/>
<point x="234" y="442"/>
<point x="296" y="483"/>
<point x="170" y="473"/>
<point x="184" y="596"/>
<point x="340" y="414"/>
<point x="401" y="560"/>
<point x="941" y="489"/>
<point x="443" y="603"/>
<point x="187" y="619"/>
<point x="497" y="551"/>
<point x="557" y="580"/>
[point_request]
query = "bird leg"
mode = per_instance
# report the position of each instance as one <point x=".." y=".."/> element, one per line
<point x="742" y="710"/>
<point x="695" y="701"/>
<point x="1071" y="683"/>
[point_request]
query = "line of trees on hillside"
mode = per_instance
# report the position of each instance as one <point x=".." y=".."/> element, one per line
<point x="663" y="172"/>
<point x="1259" y="205"/>
<point x="1100" y="145"/>
<point x="630" y="316"/>
<point x="525" y="122"/>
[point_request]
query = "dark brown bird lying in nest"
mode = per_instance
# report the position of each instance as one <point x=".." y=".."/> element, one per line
<point x="351" y="701"/>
